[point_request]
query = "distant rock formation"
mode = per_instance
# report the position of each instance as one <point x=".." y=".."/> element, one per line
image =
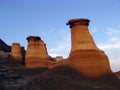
<point x="59" y="58"/>
<point x="4" y="47"/>
<point x="36" y="54"/>
<point x="85" y="56"/>
<point x="16" y="51"/>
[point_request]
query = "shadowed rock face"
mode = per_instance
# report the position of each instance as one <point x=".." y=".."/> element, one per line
<point x="4" y="47"/>
<point x="85" y="56"/>
<point x="16" y="51"/>
<point x="117" y="74"/>
<point x="10" y="80"/>
<point x="36" y="55"/>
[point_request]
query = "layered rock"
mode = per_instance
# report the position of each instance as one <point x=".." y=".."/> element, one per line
<point x="16" y="51"/>
<point x="10" y="80"/>
<point x="85" y="56"/>
<point x="36" y="54"/>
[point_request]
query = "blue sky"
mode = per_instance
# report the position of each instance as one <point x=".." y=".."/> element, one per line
<point x="47" y="19"/>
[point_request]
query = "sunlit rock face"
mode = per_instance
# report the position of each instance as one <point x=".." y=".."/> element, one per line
<point x="36" y="54"/>
<point x="85" y="56"/>
<point x="16" y="51"/>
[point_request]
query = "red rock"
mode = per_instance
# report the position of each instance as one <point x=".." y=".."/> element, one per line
<point x="36" y="54"/>
<point x="16" y="51"/>
<point x="85" y="57"/>
<point x="118" y="74"/>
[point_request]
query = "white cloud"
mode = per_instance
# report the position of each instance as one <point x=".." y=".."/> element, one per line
<point x="112" y="50"/>
<point x="115" y="65"/>
<point x="54" y="54"/>
<point x="113" y="39"/>
<point x="114" y="59"/>
<point x="62" y="48"/>
<point x="110" y="46"/>
<point x="112" y="31"/>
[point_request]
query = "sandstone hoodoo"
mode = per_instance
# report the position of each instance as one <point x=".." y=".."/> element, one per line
<point x="85" y="56"/>
<point x="16" y="51"/>
<point x="36" y="54"/>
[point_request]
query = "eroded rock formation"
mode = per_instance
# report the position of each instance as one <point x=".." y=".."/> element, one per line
<point x="85" y="56"/>
<point x="36" y="54"/>
<point x="16" y="51"/>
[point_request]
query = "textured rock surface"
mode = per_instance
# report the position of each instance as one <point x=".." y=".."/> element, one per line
<point x="85" y="56"/>
<point x="16" y="51"/>
<point x="9" y="80"/>
<point x="51" y="79"/>
<point x="36" y="54"/>
<point x="64" y="78"/>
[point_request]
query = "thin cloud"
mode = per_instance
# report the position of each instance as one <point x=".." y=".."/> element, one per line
<point x="113" y="39"/>
<point x="115" y="65"/>
<point x="112" y="31"/>
<point x="112" y="50"/>
<point x="62" y="48"/>
<point x="94" y="30"/>
<point x="110" y="46"/>
<point x="54" y="54"/>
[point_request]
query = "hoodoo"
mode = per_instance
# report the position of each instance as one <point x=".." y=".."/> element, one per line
<point x="16" y="52"/>
<point x="36" y="54"/>
<point x="85" y="56"/>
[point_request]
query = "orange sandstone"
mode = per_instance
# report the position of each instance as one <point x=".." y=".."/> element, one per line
<point x="85" y="56"/>
<point x="36" y="54"/>
<point x="16" y="51"/>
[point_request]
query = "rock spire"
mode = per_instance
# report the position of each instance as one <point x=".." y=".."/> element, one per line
<point x="16" y="52"/>
<point x="36" y="54"/>
<point x="85" y="56"/>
